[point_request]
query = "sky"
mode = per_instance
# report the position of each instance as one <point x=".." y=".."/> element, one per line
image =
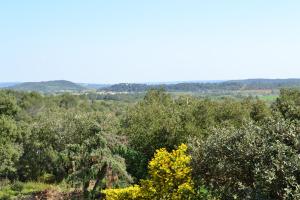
<point x="101" y="41"/>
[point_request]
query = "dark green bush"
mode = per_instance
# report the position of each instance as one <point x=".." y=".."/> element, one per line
<point x="251" y="162"/>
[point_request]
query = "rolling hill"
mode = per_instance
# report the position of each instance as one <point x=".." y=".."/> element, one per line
<point x="233" y="85"/>
<point x="49" y="86"/>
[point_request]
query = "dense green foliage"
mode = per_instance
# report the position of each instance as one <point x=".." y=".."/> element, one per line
<point x="238" y="148"/>
<point x="252" y="162"/>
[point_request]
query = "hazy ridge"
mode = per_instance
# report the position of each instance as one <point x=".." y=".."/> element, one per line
<point x="193" y="86"/>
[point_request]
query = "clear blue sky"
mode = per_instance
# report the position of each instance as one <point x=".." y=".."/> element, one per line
<point x="110" y="41"/>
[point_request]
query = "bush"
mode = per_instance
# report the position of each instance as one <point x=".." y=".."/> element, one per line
<point x="170" y="175"/>
<point x="129" y="193"/>
<point x="253" y="162"/>
<point x="170" y="178"/>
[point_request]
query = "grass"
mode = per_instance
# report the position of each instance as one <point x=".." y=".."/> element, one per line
<point x="269" y="98"/>
<point x="17" y="189"/>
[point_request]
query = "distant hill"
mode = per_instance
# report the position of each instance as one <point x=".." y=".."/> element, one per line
<point x="231" y="85"/>
<point x="248" y="84"/>
<point x="49" y="86"/>
<point x="267" y="83"/>
<point x="7" y="84"/>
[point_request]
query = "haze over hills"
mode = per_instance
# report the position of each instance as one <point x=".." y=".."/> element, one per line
<point x="7" y="84"/>
<point x="193" y="86"/>
<point x="94" y="85"/>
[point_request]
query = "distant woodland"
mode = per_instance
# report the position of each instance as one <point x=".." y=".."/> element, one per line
<point x="251" y="84"/>
<point x="235" y="85"/>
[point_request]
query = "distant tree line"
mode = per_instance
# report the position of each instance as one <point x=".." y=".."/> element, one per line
<point x="250" y="84"/>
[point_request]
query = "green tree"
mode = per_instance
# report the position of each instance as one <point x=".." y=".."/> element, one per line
<point x="231" y="112"/>
<point x="96" y="159"/>
<point x="259" y="110"/>
<point x="251" y="162"/>
<point x="8" y="104"/>
<point x="288" y="104"/>
<point x="10" y="150"/>
<point x="154" y="123"/>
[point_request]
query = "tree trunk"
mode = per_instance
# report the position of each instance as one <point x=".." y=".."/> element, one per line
<point x="100" y="176"/>
<point x="85" y="189"/>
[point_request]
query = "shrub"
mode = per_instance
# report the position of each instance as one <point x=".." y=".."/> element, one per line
<point x="253" y="162"/>
<point x="129" y="193"/>
<point x="170" y="178"/>
<point x="170" y="175"/>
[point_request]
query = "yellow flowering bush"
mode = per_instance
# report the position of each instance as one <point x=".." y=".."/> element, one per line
<point x="129" y="193"/>
<point x="170" y="175"/>
<point x="170" y="178"/>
